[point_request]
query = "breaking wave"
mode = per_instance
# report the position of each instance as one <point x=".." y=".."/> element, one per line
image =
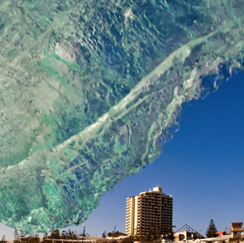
<point x="89" y="90"/>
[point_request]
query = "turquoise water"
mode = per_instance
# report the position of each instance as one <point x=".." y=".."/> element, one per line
<point x="89" y="90"/>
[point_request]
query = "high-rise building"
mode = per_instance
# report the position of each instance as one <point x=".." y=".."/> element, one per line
<point x="148" y="209"/>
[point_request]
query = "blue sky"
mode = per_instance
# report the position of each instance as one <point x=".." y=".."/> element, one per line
<point x="202" y="167"/>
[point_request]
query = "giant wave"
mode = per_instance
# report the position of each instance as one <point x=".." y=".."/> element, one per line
<point x="89" y="90"/>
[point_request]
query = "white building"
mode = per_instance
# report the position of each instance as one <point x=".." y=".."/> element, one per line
<point x="152" y="208"/>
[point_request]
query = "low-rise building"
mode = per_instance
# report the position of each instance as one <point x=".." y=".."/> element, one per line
<point x="187" y="233"/>
<point x="235" y="237"/>
<point x="236" y="229"/>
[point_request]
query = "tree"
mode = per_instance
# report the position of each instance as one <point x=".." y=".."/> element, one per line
<point x="55" y="234"/>
<point x="71" y="235"/>
<point x="16" y="237"/>
<point x="170" y="234"/>
<point x="45" y="236"/>
<point x="154" y="232"/>
<point x="104" y="235"/>
<point x="64" y="235"/>
<point x="3" y="239"/>
<point x="115" y="234"/>
<point x="33" y="239"/>
<point x="211" y="230"/>
<point x="129" y="239"/>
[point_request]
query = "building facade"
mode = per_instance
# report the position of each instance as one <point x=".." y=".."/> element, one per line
<point x="147" y="210"/>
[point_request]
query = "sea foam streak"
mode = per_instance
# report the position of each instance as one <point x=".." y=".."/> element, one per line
<point x="88" y="91"/>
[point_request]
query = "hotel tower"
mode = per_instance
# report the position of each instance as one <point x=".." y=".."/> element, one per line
<point x="147" y="209"/>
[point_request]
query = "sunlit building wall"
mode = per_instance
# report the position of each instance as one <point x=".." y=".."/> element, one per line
<point x="152" y="208"/>
<point x="130" y="208"/>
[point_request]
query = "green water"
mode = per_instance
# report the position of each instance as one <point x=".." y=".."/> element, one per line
<point x="89" y="89"/>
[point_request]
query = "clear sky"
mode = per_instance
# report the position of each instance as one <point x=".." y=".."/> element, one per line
<point x="202" y="167"/>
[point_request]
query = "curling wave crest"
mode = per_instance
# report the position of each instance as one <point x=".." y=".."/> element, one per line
<point x="89" y="89"/>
